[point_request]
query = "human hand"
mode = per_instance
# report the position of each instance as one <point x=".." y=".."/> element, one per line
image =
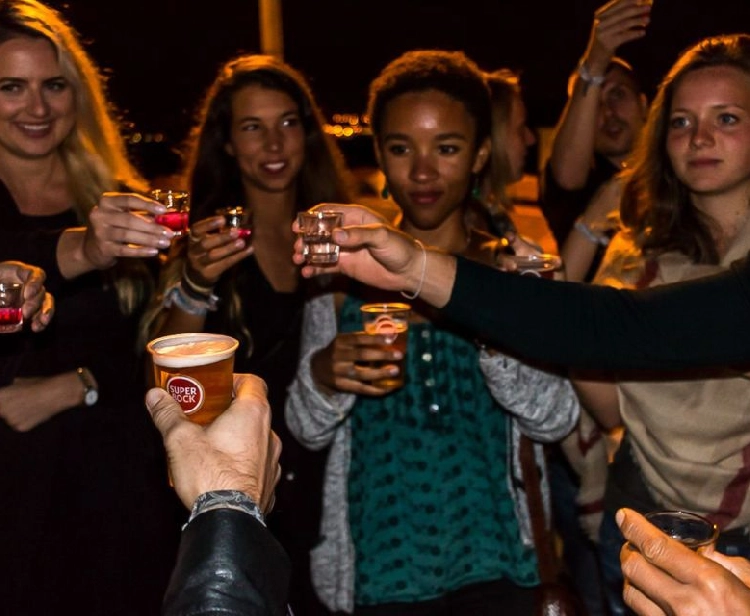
<point x="122" y="225"/>
<point x="615" y="23"/>
<point x="662" y="576"/>
<point x="38" y="305"/>
<point x="372" y="251"/>
<point x="342" y="365"/>
<point x="212" y="250"/>
<point x="238" y="451"/>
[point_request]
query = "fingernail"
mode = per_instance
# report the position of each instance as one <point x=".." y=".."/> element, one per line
<point x="398" y="355"/>
<point x="619" y="517"/>
<point x="393" y="371"/>
<point x="340" y="235"/>
<point x="164" y="242"/>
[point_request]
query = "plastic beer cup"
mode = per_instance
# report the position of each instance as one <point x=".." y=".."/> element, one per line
<point x="392" y="321"/>
<point x="196" y="369"/>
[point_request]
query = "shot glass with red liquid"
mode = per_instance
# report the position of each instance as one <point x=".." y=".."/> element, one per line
<point x="178" y="209"/>
<point x="237" y="218"/>
<point x="11" y="307"/>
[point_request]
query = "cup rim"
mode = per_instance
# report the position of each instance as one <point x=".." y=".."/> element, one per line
<point x="687" y="515"/>
<point x="320" y="214"/>
<point x="152" y="345"/>
<point x="384" y="307"/>
<point x="544" y="261"/>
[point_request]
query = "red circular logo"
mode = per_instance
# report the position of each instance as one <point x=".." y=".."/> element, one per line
<point x="187" y="391"/>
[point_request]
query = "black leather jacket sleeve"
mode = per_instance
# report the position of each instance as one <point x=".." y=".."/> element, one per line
<point x="228" y="564"/>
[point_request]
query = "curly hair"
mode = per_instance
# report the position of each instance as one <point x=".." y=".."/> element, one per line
<point x="450" y="72"/>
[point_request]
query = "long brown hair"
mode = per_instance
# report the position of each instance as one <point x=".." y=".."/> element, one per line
<point x="656" y="206"/>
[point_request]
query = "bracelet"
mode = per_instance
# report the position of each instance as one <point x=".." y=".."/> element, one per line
<point x="194" y="286"/>
<point x="226" y="499"/>
<point x="588" y="78"/>
<point x="421" y="278"/>
<point x="592" y="236"/>
<point x="176" y="296"/>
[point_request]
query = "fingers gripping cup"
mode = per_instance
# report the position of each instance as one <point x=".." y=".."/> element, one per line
<point x="317" y="228"/>
<point x="11" y="307"/>
<point x="391" y="321"/>
<point x="196" y="370"/>
<point x="690" y="529"/>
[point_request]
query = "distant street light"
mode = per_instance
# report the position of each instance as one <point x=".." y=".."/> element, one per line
<point x="271" y="28"/>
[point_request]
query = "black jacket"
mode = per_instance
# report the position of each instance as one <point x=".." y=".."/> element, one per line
<point x="228" y="563"/>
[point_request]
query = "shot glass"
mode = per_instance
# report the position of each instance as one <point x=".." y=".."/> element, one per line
<point x="541" y="266"/>
<point x="236" y="218"/>
<point x="11" y="307"/>
<point x="392" y="321"/>
<point x="317" y="228"/>
<point x="690" y="529"/>
<point x="178" y="209"/>
<point x="196" y="370"/>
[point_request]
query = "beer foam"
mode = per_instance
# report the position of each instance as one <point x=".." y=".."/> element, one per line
<point x="185" y="352"/>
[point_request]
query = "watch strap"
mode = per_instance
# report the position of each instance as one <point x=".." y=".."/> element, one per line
<point x="226" y="499"/>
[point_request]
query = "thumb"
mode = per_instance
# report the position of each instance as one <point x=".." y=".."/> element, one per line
<point x="165" y="410"/>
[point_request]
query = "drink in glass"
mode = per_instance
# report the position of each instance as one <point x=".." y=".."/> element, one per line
<point x="541" y="266"/>
<point x="178" y="209"/>
<point x="390" y="320"/>
<point x="236" y="218"/>
<point x="196" y="370"/>
<point x="11" y="307"/>
<point x="690" y="529"/>
<point x="317" y="233"/>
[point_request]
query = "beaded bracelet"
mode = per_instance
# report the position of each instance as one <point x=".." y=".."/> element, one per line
<point x="177" y="296"/>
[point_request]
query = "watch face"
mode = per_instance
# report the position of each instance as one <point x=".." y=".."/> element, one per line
<point x="91" y="397"/>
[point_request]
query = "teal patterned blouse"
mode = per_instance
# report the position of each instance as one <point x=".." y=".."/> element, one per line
<point x="429" y="504"/>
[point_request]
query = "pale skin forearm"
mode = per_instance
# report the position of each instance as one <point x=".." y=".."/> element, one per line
<point x="573" y="145"/>
<point x="71" y="258"/>
<point x="600" y="399"/>
<point x="29" y="402"/>
<point x="439" y="278"/>
<point x="578" y="253"/>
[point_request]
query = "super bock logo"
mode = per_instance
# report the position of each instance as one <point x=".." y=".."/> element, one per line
<point x="187" y="391"/>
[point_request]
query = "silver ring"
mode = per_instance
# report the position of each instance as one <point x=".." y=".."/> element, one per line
<point x="193" y="238"/>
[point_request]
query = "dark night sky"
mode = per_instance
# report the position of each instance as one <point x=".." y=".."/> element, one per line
<point x="161" y="54"/>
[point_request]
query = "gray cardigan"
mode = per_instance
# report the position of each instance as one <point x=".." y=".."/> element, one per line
<point x="544" y="407"/>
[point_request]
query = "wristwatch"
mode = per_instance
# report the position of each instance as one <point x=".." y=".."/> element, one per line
<point x="90" y="391"/>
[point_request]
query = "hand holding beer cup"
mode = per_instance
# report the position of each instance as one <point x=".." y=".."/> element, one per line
<point x="236" y="452"/>
<point x="364" y="362"/>
<point x="196" y="370"/>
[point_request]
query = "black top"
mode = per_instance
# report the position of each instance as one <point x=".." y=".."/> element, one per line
<point x="88" y="519"/>
<point x="698" y="323"/>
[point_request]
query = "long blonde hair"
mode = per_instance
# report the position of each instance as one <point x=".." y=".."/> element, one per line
<point x="94" y="153"/>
